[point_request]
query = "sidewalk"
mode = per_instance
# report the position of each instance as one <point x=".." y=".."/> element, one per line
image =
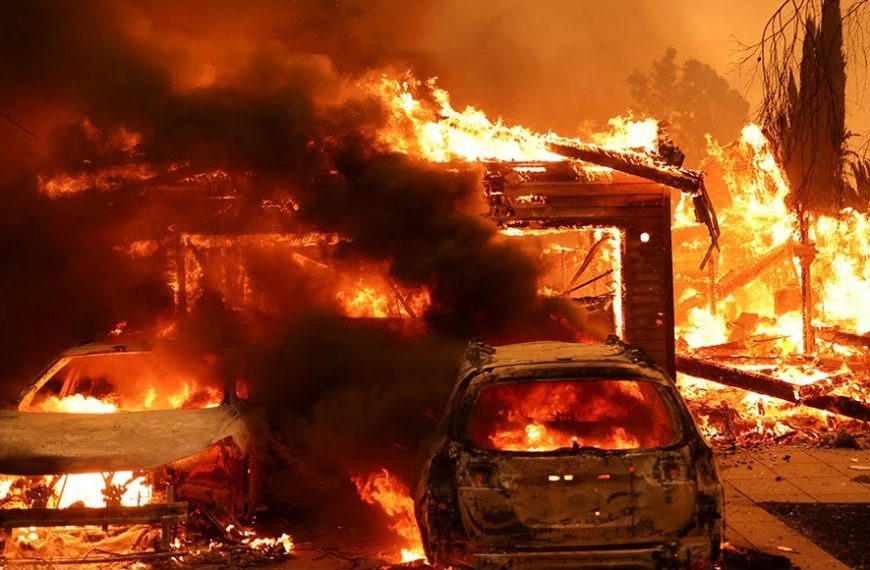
<point x="789" y="474"/>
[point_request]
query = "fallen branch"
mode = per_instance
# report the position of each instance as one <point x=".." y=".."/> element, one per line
<point x="835" y="335"/>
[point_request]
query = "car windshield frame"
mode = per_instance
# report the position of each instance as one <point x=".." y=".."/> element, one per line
<point x="26" y="399"/>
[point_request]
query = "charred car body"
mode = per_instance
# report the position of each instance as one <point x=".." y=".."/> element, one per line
<point x="557" y="455"/>
<point x="156" y="428"/>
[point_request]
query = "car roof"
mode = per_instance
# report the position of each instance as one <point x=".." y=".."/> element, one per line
<point x="544" y="351"/>
<point x="480" y="357"/>
<point x="106" y="348"/>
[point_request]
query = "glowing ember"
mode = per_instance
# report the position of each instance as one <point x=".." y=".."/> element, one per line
<point x="383" y="489"/>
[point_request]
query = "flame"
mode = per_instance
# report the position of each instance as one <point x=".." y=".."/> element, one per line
<point x="761" y="317"/>
<point x="422" y="122"/>
<point x="550" y="415"/>
<point x="86" y="489"/>
<point x="538" y="437"/>
<point x="759" y="219"/>
<point x="78" y="404"/>
<point x="383" y="489"/>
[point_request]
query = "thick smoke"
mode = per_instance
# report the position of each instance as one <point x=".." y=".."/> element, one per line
<point x="105" y="85"/>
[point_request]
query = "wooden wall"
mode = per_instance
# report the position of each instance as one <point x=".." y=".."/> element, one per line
<point x="636" y="206"/>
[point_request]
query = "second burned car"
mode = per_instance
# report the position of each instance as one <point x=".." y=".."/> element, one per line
<point x="558" y="455"/>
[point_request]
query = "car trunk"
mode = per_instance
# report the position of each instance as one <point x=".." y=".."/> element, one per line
<point x="579" y="499"/>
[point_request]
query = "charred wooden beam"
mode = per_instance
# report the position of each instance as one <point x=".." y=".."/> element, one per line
<point x="835" y="335"/>
<point x="733" y="280"/>
<point x="633" y="163"/>
<point x="645" y="166"/>
<point x="50" y="562"/>
<point x="82" y="516"/>
<point x="752" y="381"/>
<point x="770" y="386"/>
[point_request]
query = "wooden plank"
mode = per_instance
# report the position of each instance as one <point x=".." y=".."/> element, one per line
<point x="835" y="335"/>
<point x="601" y="201"/>
<point x="49" y="562"/>
<point x="763" y="384"/>
<point x="635" y="164"/>
<point x="81" y="516"/>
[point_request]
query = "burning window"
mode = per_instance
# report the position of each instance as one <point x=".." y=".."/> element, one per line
<point x="583" y="264"/>
<point x="128" y="381"/>
<point x="550" y="415"/>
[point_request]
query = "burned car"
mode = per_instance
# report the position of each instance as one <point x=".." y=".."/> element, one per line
<point x="561" y="455"/>
<point x="143" y="429"/>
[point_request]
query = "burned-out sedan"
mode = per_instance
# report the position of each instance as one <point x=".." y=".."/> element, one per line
<point x="135" y="426"/>
<point x="561" y="455"/>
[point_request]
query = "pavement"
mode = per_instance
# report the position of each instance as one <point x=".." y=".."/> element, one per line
<point x="751" y="477"/>
<point x="794" y="475"/>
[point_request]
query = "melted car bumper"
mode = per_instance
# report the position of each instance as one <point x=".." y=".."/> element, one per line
<point x="691" y="553"/>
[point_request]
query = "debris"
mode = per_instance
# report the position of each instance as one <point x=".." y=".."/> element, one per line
<point x="770" y="386"/>
<point x="845" y="440"/>
<point x="785" y="549"/>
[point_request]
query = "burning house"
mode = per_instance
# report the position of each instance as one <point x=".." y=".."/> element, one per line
<point x="275" y="265"/>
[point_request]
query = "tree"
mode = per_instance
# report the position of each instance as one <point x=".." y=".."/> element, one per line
<point x="693" y="100"/>
<point x="805" y="118"/>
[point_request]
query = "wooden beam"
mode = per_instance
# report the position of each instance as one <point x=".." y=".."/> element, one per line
<point x="752" y="381"/>
<point x="769" y="386"/>
<point x="49" y="562"/>
<point x="735" y="279"/>
<point x="633" y="163"/>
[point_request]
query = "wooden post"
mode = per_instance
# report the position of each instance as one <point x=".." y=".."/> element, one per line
<point x="167" y="525"/>
<point x="711" y="278"/>
<point x="180" y="273"/>
<point x="806" y="254"/>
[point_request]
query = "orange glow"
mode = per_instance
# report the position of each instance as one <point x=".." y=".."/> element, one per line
<point x="423" y="123"/>
<point x="383" y="489"/>
<point x="551" y="415"/>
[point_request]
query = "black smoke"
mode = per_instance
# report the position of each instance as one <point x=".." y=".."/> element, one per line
<point x="343" y="396"/>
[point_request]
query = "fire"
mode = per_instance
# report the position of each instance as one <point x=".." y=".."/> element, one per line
<point x="78" y="404"/>
<point x="752" y="314"/>
<point x="93" y="490"/>
<point x="383" y="489"/>
<point x="368" y="298"/>
<point x="551" y="415"/>
<point x="423" y="123"/>
<point x="87" y="489"/>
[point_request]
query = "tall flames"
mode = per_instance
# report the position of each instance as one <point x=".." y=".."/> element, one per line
<point x="383" y="489"/>
<point x="422" y="122"/>
<point x="752" y="314"/>
<point x="748" y="306"/>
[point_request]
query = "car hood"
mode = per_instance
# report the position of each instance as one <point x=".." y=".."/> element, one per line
<point x="51" y="443"/>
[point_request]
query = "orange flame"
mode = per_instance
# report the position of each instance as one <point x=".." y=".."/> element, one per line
<point x="423" y="123"/>
<point x="383" y="489"/>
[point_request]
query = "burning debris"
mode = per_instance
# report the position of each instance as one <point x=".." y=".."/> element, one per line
<point x="314" y="236"/>
<point x="753" y="328"/>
